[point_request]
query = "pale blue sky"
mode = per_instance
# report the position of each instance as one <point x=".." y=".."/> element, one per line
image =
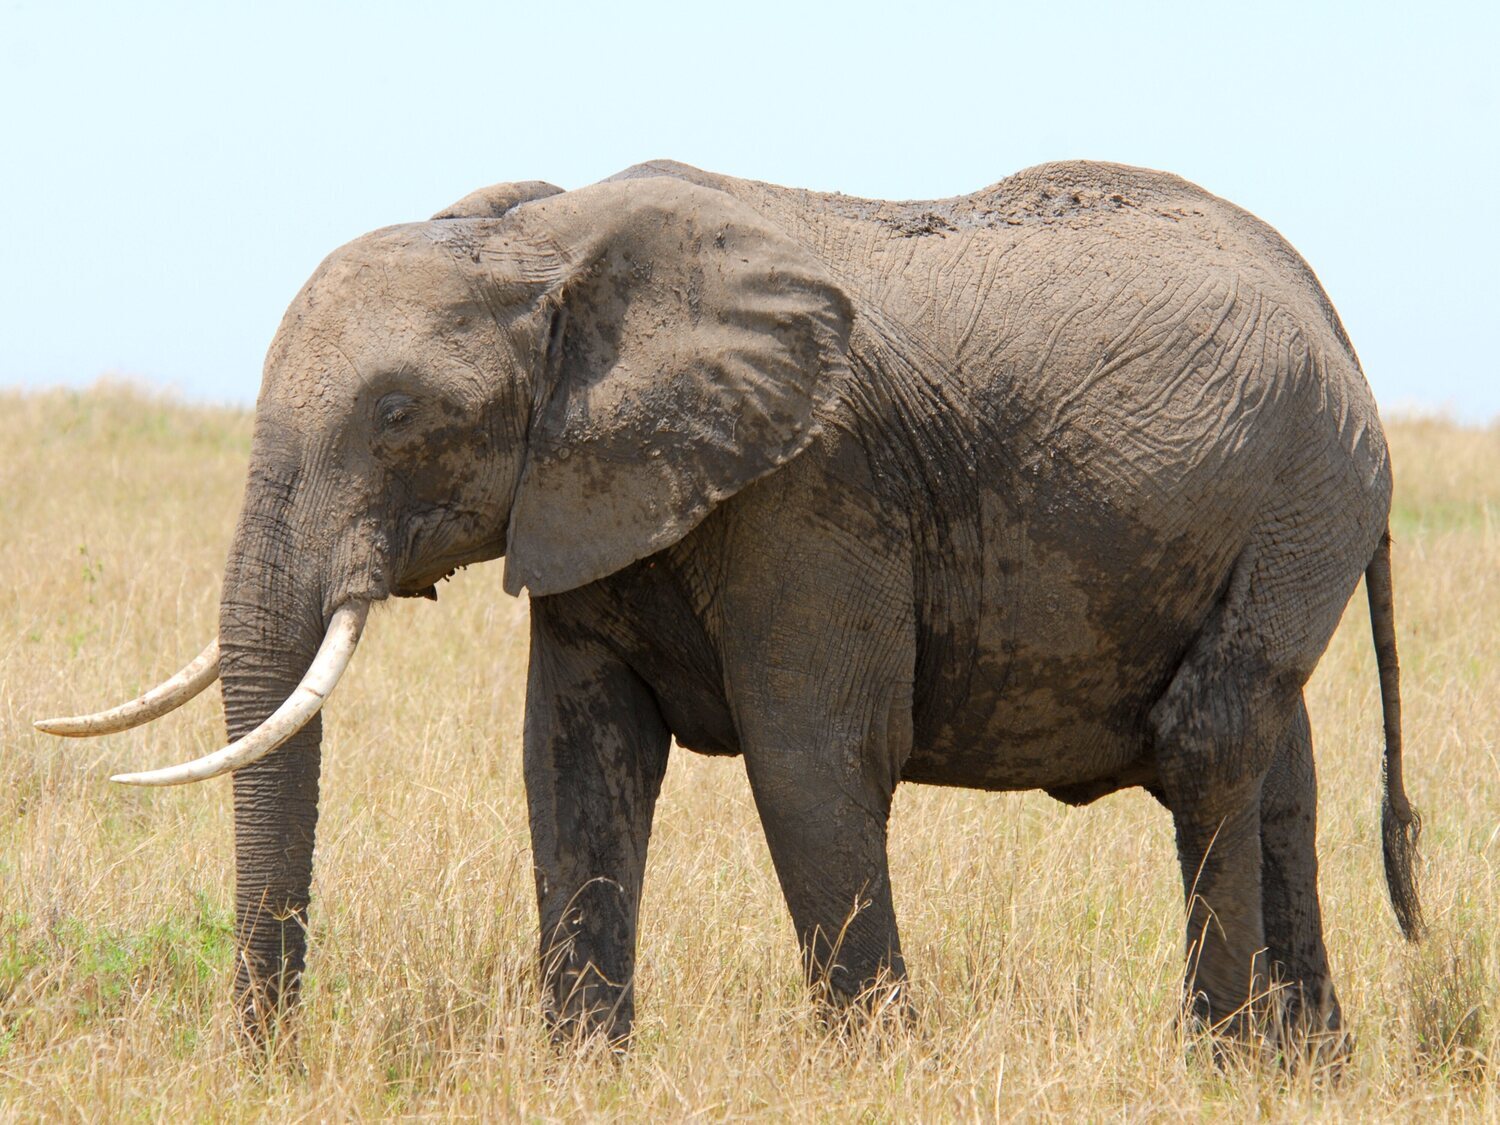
<point x="173" y="172"/>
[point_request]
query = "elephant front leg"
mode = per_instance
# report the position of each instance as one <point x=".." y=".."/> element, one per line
<point x="828" y="843"/>
<point x="820" y="667"/>
<point x="825" y="731"/>
<point x="595" y="750"/>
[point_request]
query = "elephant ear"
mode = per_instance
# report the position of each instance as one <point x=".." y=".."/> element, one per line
<point x="494" y="201"/>
<point x="691" y="342"/>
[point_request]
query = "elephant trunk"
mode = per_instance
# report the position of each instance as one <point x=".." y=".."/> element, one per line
<point x="270" y="625"/>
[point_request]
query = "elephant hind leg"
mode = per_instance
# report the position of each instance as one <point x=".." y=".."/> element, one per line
<point x="1307" y="1005"/>
<point x="1217" y="732"/>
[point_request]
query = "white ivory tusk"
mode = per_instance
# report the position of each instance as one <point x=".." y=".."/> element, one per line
<point x="166" y="696"/>
<point x="305" y="702"/>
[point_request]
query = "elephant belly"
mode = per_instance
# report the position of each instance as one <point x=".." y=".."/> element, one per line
<point x="1020" y="735"/>
<point x="1079" y="634"/>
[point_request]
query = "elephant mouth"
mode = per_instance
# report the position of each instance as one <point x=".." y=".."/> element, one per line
<point x="422" y="582"/>
<point x="424" y="585"/>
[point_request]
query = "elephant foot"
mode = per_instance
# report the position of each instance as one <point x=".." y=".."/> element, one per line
<point x="1295" y="1026"/>
<point x="1307" y="1026"/>
<point x="595" y="1028"/>
<point x="882" y="1009"/>
<point x="1243" y="1039"/>
<point x="583" y="1009"/>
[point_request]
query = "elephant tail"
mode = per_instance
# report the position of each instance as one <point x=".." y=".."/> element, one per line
<point x="1400" y="824"/>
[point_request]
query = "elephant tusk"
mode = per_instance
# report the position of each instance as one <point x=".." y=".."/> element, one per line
<point x="294" y="713"/>
<point x="166" y="696"/>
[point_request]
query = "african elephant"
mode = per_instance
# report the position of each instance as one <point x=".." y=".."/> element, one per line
<point x="1060" y="485"/>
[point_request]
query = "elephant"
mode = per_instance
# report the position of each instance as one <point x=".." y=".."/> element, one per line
<point x="1062" y="485"/>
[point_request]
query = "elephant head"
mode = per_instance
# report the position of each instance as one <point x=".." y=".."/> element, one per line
<point x="571" y="380"/>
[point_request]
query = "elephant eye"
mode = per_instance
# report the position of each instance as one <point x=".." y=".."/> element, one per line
<point x="393" y="412"/>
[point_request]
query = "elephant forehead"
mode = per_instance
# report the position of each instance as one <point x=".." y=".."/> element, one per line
<point x="367" y="314"/>
<point x="367" y="302"/>
<point x="389" y="273"/>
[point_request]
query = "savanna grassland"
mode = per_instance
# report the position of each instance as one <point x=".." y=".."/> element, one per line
<point x="1044" y="942"/>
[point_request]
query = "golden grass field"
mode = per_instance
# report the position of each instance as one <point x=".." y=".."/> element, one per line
<point x="1044" y="943"/>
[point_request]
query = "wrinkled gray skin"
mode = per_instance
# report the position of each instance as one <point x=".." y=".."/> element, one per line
<point x="1061" y="485"/>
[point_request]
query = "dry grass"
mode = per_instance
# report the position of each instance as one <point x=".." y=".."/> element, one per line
<point x="1044" y="942"/>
